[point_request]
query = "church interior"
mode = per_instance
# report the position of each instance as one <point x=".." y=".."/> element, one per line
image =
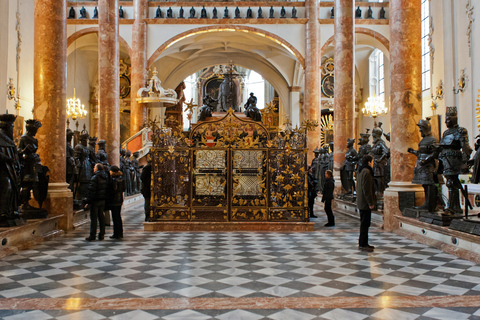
<point x="223" y="122"/>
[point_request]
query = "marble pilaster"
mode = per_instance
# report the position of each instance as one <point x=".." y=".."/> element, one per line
<point x="138" y="112"/>
<point x="50" y="93"/>
<point x="406" y="100"/>
<point x="312" y="74"/>
<point x="344" y="106"/>
<point x="109" y="78"/>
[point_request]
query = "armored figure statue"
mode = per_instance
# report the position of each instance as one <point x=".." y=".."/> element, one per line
<point x="136" y="171"/>
<point x="315" y="162"/>
<point x="225" y="13"/>
<point x="120" y="13"/>
<point x="180" y="13"/>
<point x="215" y="13"/>
<point x="282" y="12"/>
<point x="272" y="13"/>
<point x="126" y="170"/>
<point x="237" y="13"/>
<point x="169" y="12"/>
<point x="382" y="13"/>
<point x="71" y="13"/>
<point x="227" y="94"/>
<point x="454" y="154"/>
<point x="251" y="109"/>
<point x="83" y="169"/>
<point x="130" y="171"/>
<point x="351" y="160"/>
<point x="369" y="13"/>
<point x="294" y="12"/>
<point x="192" y="13"/>
<point x="70" y="159"/>
<point x="102" y="155"/>
<point x="358" y="13"/>
<point x="158" y="13"/>
<point x="95" y="13"/>
<point x="323" y="164"/>
<point x="365" y="148"/>
<point x="34" y="175"/>
<point x="380" y="154"/>
<point x="249" y="13"/>
<point x="425" y="168"/>
<point x="209" y="105"/>
<point x="260" y="13"/>
<point x="9" y="173"/>
<point x="92" y="143"/>
<point x="203" y="13"/>
<point x="83" y="13"/>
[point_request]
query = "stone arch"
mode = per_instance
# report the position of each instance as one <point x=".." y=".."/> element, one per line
<point x="73" y="37"/>
<point x="261" y="32"/>
<point x="374" y="34"/>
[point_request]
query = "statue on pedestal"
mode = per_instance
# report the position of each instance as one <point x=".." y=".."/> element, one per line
<point x="323" y="165"/>
<point x="203" y="13"/>
<point x="92" y="143"/>
<point x="365" y="148"/>
<point x="425" y="168"/>
<point x="102" y="155"/>
<point x="9" y="174"/>
<point x="130" y="171"/>
<point x="225" y="13"/>
<point x="454" y="154"/>
<point x="294" y="12"/>
<point x="136" y="171"/>
<point x="272" y="13"/>
<point x="71" y="13"/>
<point x="83" y="170"/>
<point x="369" y="13"/>
<point x="260" y="13"/>
<point x="249" y="13"/>
<point x="251" y="109"/>
<point x="358" y="13"/>
<point x="95" y="13"/>
<point x="70" y="159"/>
<point x="227" y="94"/>
<point x="380" y="154"/>
<point x="237" y="13"/>
<point x="158" y="13"/>
<point x="120" y="13"/>
<point x="34" y="175"/>
<point x="180" y="13"/>
<point x="169" y="12"/>
<point x="192" y="13"/>
<point x="282" y="12"/>
<point x="83" y="13"/>
<point x="125" y="170"/>
<point x="350" y="165"/>
<point x="209" y="105"/>
<point x="215" y="13"/>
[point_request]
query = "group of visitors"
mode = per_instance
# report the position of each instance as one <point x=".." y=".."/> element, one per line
<point x="366" y="200"/>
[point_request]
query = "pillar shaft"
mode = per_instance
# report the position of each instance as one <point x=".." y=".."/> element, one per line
<point x="344" y="105"/>
<point x="138" y="114"/>
<point x="109" y="78"/>
<point x="405" y="97"/>
<point x="50" y="93"/>
<point x="312" y="74"/>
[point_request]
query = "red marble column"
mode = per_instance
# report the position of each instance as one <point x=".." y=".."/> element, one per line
<point x="138" y="113"/>
<point x="109" y="78"/>
<point x="312" y="74"/>
<point x="344" y="106"/>
<point x="406" y="100"/>
<point x="50" y="93"/>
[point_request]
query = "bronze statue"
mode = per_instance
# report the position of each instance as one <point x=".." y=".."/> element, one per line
<point x="382" y="13"/>
<point x="70" y="159"/>
<point x="102" y="155"/>
<point x="425" y="168"/>
<point x="192" y="13"/>
<point x="350" y="165"/>
<point x="34" y="175"/>
<point x="260" y="13"/>
<point x="454" y="154"/>
<point x="225" y="13"/>
<point x="9" y="174"/>
<point x="203" y="13"/>
<point x="237" y="13"/>
<point x="169" y="12"/>
<point x="83" y="13"/>
<point x="209" y="105"/>
<point x="227" y="94"/>
<point x="125" y="168"/>
<point x="249" y="13"/>
<point x="71" y="13"/>
<point x="92" y="143"/>
<point x="358" y="13"/>
<point x="332" y="13"/>
<point x="380" y="153"/>
<point x="83" y="169"/>
<point x="215" y="13"/>
<point x="120" y="13"/>
<point x="369" y="13"/>
<point x="180" y="13"/>
<point x="158" y="13"/>
<point x="294" y="12"/>
<point x="95" y="13"/>
<point x="323" y="166"/>
<point x="272" y="13"/>
<point x="315" y="161"/>
<point x="251" y="109"/>
<point x="136" y="172"/>
<point x="282" y="12"/>
<point x="365" y="148"/>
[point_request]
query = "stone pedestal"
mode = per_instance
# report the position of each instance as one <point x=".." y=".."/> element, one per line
<point x="393" y="201"/>
<point x="59" y="202"/>
<point x="344" y="106"/>
<point x="109" y="78"/>
<point x="312" y="75"/>
<point x="138" y="112"/>
<point x="438" y="218"/>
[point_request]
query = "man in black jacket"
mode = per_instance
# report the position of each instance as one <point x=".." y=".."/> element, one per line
<point x="365" y="200"/>
<point x="327" y="198"/>
<point x="116" y="188"/>
<point x="97" y="193"/>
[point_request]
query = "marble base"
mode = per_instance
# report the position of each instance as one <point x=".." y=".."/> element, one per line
<point x="14" y="239"/>
<point x="438" y="218"/>
<point x="398" y="196"/>
<point x="471" y="226"/>
<point x="412" y="213"/>
<point x="228" y="226"/>
<point x="59" y="203"/>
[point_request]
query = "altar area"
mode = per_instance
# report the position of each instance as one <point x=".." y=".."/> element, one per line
<point x="229" y="173"/>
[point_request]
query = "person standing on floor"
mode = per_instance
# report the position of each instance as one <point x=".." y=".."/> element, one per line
<point x="146" y="178"/>
<point x="116" y="188"/>
<point x="327" y="198"/>
<point x="365" y="200"/>
<point x="312" y="191"/>
<point x="97" y="193"/>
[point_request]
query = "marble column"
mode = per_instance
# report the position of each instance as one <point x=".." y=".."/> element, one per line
<point x="312" y="74"/>
<point x="50" y="93"/>
<point x="406" y="101"/>
<point x="138" y="112"/>
<point x="344" y="103"/>
<point x="109" y="78"/>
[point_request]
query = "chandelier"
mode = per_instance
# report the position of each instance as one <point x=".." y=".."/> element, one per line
<point x="75" y="109"/>
<point x="374" y="107"/>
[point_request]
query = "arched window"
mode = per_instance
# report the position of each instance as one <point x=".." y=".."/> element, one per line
<point x="376" y="75"/>
<point x="425" y="45"/>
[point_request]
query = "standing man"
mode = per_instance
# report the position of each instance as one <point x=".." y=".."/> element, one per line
<point x="146" y="178"/>
<point x="365" y="200"/>
<point x="97" y="193"/>
<point x="327" y="198"/>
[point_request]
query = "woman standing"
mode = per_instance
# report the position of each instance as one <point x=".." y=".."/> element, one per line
<point x="116" y="189"/>
<point x="365" y="200"/>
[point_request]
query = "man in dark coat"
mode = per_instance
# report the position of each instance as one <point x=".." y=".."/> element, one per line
<point x="146" y="178"/>
<point x="97" y="193"/>
<point x="365" y="200"/>
<point x="116" y="188"/>
<point x="327" y="198"/>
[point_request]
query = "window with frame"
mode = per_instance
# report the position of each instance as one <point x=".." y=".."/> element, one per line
<point x="425" y="45"/>
<point x="377" y="74"/>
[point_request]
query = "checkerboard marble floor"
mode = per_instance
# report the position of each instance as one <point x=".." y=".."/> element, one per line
<point x="237" y="275"/>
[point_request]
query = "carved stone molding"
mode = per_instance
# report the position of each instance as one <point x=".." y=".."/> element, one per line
<point x="470" y="26"/>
